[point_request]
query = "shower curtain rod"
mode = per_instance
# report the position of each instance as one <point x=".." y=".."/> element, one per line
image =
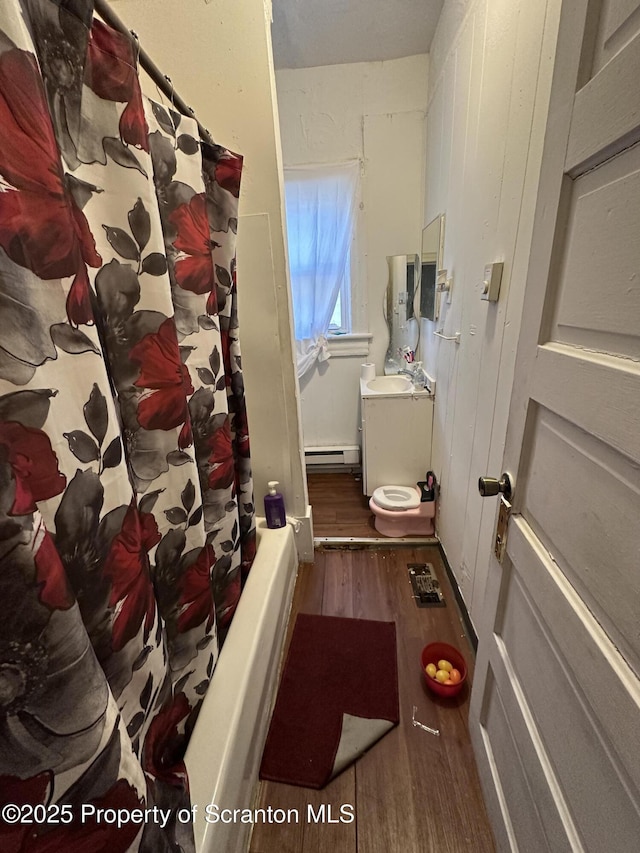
<point x="161" y="80"/>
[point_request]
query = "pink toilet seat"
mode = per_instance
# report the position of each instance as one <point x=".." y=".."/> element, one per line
<point x="408" y="522"/>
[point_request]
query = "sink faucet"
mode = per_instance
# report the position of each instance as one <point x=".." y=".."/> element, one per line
<point x="416" y="373"/>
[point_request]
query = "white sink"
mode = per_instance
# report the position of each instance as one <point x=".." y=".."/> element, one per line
<point x="390" y="384"/>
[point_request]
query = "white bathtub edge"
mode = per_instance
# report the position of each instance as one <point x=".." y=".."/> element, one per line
<point x="225" y="749"/>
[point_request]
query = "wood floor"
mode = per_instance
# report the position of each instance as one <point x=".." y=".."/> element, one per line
<point x="339" y="507"/>
<point x="412" y="791"/>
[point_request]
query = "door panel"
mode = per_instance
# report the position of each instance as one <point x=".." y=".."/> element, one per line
<point x="507" y="765"/>
<point x="597" y="309"/>
<point x="537" y="814"/>
<point x="580" y="641"/>
<point x="572" y="738"/>
<point x="598" y="393"/>
<point x="563" y="753"/>
<point x="584" y="506"/>
<point x="559" y="652"/>
<point x="606" y="114"/>
<point x="617" y="20"/>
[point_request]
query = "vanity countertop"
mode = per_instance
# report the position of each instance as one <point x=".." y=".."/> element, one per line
<point x="381" y="391"/>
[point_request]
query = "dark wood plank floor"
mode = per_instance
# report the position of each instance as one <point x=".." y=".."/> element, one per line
<point x="412" y="791"/>
<point x="339" y="507"/>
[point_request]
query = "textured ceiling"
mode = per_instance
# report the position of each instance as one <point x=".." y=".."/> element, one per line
<point x="306" y="33"/>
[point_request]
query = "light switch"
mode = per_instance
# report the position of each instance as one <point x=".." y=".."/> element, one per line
<point x="491" y="282"/>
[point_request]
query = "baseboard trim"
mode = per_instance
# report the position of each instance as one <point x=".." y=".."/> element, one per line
<point x="462" y="607"/>
<point x="328" y="542"/>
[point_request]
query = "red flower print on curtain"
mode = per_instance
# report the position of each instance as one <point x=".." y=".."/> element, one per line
<point x="228" y="171"/>
<point x="110" y="71"/>
<point x="41" y="226"/>
<point x="194" y="267"/>
<point x="34" y="466"/>
<point x="166" y="381"/>
<point x="52" y="581"/>
<point x="127" y="566"/>
<point x="196" y="599"/>
<point x="159" y="750"/>
<point x="222" y="472"/>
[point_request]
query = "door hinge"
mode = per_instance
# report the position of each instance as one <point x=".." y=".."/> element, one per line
<point x="501" y="529"/>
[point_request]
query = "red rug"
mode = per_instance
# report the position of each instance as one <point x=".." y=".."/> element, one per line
<point x="338" y="695"/>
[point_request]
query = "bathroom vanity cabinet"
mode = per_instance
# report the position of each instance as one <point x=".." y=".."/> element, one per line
<point x="396" y="434"/>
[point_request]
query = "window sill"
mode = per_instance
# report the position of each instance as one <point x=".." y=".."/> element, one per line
<point x="351" y="345"/>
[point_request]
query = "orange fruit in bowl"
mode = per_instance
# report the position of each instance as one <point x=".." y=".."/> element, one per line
<point x="447" y="682"/>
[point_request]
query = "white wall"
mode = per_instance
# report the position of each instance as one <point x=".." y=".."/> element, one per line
<point x="219" y="58"/>
<point x="488" y="92"/>
<point x="374" y="112"/>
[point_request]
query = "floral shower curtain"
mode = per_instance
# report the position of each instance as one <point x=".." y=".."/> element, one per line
<point x="126" y="502"/>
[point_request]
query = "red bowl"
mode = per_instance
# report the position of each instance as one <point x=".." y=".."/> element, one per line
<point x="443" y="651"/>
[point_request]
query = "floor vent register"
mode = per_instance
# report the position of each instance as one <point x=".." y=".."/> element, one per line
<point x="425" y="585"/>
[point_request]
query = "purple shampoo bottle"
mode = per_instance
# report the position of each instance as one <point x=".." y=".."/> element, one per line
<point x="274" y="506"/>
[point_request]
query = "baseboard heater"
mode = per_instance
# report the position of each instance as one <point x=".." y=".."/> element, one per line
<point x="330" y="455"/>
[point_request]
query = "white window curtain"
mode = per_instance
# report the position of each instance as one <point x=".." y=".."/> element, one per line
<point x="321" y="205"/>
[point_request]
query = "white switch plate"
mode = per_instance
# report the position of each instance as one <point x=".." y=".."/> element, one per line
<point x="491" y="282"/>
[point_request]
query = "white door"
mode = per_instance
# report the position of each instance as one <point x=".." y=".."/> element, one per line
<point x="555" y="710"/>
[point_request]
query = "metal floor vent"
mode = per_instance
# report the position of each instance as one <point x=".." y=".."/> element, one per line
<point x="425" y="585"/>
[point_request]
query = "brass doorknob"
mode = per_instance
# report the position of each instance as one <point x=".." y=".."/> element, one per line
<point x="489" y="486"/>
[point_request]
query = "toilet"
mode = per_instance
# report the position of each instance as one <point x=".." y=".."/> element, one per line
<point x="398" y="511"/>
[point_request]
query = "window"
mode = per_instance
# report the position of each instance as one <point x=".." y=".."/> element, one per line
<point x="341" y="318"/>
<point x="321" y="205"/>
